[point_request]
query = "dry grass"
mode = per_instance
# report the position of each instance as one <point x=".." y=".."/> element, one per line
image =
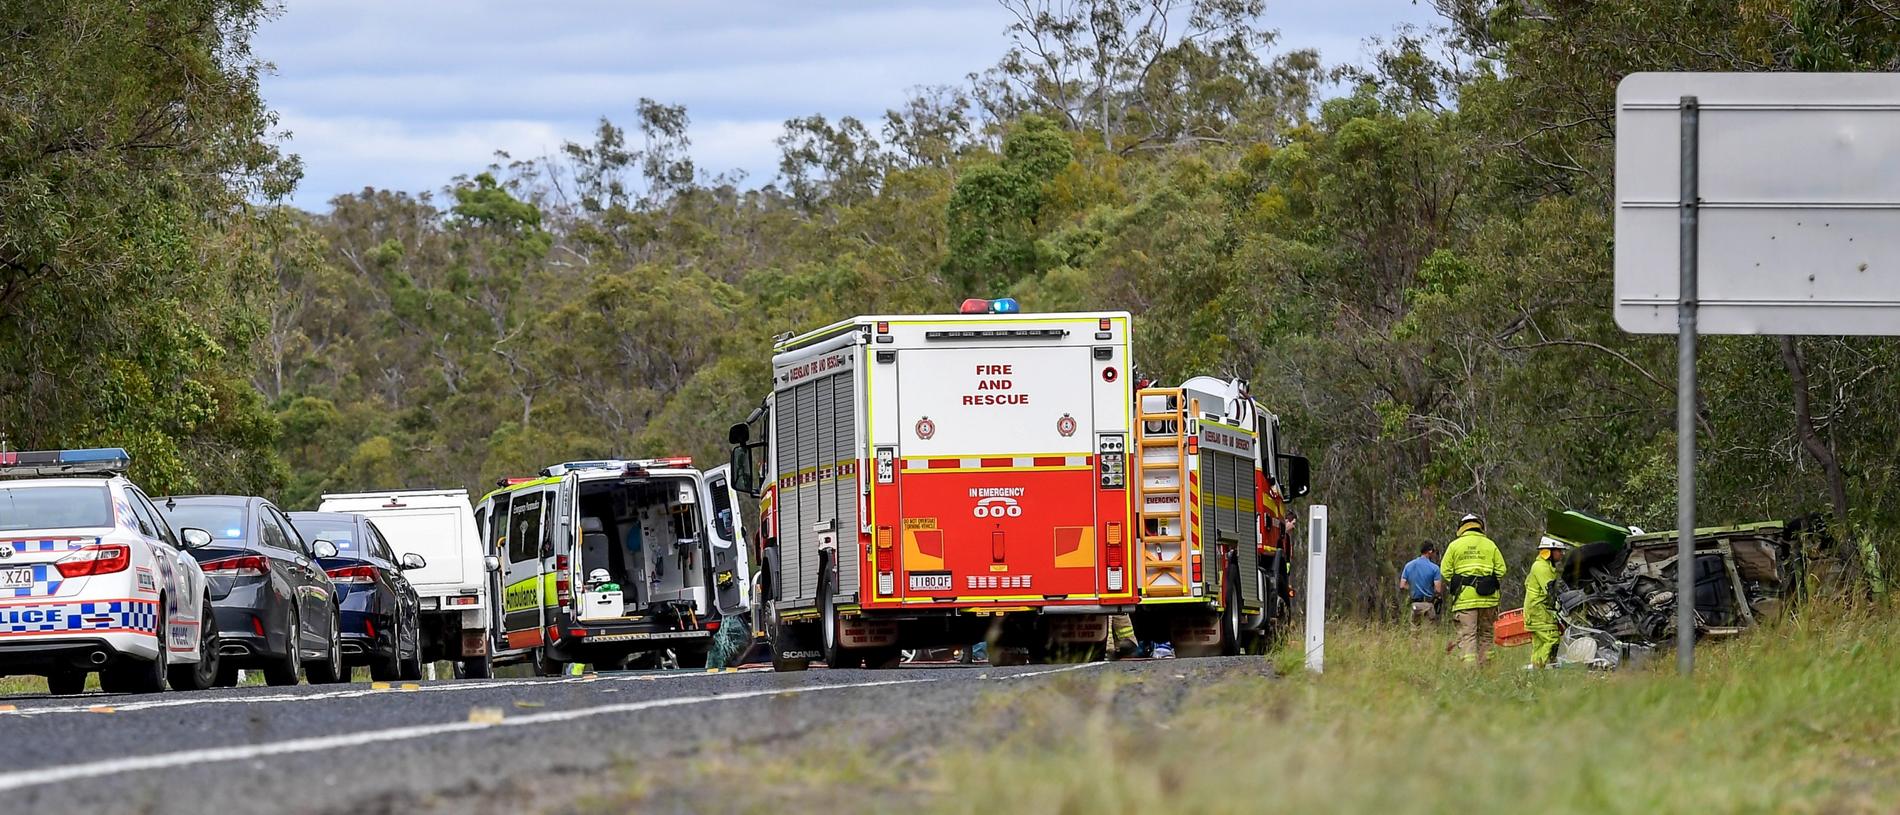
<point x="1804" y="717"/>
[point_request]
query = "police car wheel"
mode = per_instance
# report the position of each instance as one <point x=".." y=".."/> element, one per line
<point x="66" y="682"/>
<point x="203" y="674"/>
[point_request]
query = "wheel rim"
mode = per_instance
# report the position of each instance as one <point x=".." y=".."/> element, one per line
<point x="207" y="645"/>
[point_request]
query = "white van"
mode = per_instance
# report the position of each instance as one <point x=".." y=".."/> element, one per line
<point x="439" y="525"/>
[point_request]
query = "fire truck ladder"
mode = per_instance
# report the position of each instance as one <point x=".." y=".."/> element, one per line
<point x="1162" y="441"/>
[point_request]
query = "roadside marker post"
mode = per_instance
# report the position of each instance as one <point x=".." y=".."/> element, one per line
<point x="1316" y="590"/>
<point x="1799" y="205"/>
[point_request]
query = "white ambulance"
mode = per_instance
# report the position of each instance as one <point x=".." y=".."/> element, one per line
<point x="940" y="481"/>
<point x="439" y="525"/>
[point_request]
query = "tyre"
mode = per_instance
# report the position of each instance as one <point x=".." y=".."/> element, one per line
<point x="131" y="675"/>
<point x="386" y="669"/>
<point x="66" y="682"/>
<point x="546" y="665"/>
<point x="286" y="670"/>
<point x="1230" y="644"/>
<point x="203" y="674"/>
<point x="330" y="670"/>
<point x="477" y="668"/>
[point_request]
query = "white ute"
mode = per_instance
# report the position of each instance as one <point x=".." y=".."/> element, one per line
<point x="439" y="525"/>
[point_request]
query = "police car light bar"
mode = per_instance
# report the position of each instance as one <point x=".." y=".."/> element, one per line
<point x="44" y="463"/>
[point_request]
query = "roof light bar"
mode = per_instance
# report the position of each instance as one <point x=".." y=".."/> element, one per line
<point x="45" y="463"/>
<point x="617" y="464"/>
<point x="1001" y="305"/>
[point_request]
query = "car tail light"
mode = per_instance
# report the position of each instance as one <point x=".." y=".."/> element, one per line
<point x="240" y="566"/>
<point x="563" y="584"/>
<point x="1116" y="557"/>
<point x="1103" y="324"/>
<point x="353" y="574"/>
<point x="369" y="627"/>
<point x="104" y="558"/>
<point x="712" y="625"/>
<point x="257" y="625"/>
<point x="1197" y="569"/>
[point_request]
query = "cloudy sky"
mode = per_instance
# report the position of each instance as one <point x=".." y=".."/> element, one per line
<point x="405" y="95"/>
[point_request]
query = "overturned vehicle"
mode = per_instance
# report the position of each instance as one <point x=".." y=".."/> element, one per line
<point x="1616" y="593"/>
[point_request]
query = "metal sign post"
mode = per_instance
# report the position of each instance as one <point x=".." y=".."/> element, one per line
<point x="1316" y="590"/>
<point x="1685" y="391"/>
<point x="1802" y="208"/>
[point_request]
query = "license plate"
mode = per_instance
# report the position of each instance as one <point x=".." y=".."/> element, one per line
<point x="930" y="582"/>
<point x="16" y="578"/>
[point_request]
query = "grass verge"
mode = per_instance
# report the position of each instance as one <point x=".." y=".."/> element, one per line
<point x="1803" y="716"/>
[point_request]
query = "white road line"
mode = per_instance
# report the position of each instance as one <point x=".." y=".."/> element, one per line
<point x="127" y="707"/>
<point x="1064" y="669"/>
<point x="96" y="769"/>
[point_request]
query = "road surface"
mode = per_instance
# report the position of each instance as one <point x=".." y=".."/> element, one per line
<point x="506" y="745"/>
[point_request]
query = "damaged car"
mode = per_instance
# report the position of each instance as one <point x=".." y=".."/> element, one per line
<point x="1616" y="593"/>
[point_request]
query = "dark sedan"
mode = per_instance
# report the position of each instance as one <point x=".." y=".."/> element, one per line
<point x="277" y="609"/>
<point x="380" y="608"/>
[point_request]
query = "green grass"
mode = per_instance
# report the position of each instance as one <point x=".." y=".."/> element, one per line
<point x="1800" y="717"/>
<point x="1804" y="717"/>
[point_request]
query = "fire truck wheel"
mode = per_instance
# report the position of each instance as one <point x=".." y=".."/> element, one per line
<point x="1230" y="611"/>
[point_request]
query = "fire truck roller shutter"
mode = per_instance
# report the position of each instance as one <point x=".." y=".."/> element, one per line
<point x="842" y="488"/>
<point x="790" y="539"/>
<point x="811" y="437"/>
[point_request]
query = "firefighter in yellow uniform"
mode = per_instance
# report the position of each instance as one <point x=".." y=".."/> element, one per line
<point x="1474" y="569"/>
<point x="1540" y="614"/>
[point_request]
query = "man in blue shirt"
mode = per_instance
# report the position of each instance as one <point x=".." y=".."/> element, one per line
<point x="1423" y="583"/>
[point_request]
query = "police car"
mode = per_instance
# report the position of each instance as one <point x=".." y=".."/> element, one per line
<point x="93" y="579"/>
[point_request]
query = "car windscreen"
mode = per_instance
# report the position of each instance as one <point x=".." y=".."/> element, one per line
<point x="63" y="506"/>
<point x="225" y="522"/>
<point x="341" y="533"/>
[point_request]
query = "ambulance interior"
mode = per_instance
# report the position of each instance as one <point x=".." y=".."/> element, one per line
<point x="648" y="534"/>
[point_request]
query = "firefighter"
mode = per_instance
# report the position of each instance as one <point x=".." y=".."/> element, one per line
<point x="1473" y="568"/>
<point x="1540" y="614"/>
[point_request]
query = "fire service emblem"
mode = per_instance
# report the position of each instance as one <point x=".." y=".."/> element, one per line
<point x="1066" y="425"/>
<point x="926" y="428"/>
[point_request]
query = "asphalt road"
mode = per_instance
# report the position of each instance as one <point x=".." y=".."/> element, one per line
<point x="443" y="745"/>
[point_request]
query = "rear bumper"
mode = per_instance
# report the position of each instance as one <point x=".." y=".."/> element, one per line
<point x="40" y="655"/>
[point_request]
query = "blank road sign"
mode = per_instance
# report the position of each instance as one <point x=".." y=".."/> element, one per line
<point x="1800" y="191"/>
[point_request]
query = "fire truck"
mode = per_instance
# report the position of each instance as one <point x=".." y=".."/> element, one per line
<point x="1214" y="532"/>
<point x="931" y="481"/>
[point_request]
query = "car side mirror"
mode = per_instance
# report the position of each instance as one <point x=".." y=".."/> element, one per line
<point x="194" y="537"/>
<point x="324" y="549"/>
<point x="491" y="563"/>
<point x="412" y="560"/>
<point x="739" y="434"/>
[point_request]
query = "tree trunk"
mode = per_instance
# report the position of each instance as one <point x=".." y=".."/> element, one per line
<point x="1811" y="441"/>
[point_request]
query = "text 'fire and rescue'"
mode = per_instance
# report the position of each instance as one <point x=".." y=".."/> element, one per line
<point x="986" y="388"/>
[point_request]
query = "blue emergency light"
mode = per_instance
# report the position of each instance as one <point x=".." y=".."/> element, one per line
<point x="43" y="463"/>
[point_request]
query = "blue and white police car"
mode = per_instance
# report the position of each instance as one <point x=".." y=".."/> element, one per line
<point x="92" y="578"/>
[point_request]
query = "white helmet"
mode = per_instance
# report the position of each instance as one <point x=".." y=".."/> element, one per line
<point x="599" y="576"/>
<point x="1548" y="542"/>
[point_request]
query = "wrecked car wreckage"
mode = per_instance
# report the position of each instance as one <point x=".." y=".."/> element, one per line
<point x="1616" y="595"/>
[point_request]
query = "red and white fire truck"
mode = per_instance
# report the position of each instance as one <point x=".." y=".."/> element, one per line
<point x="933" y="481"/>
<point x="1214" y="533"/>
